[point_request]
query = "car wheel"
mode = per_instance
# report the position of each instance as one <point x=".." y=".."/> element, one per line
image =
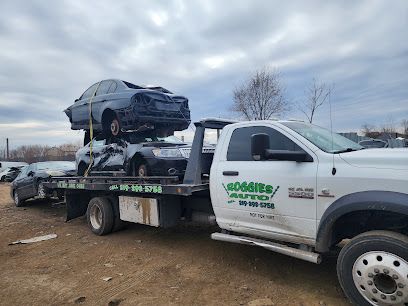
<point x="17" y="200"/>
<point x="115" y="127"/>
<point x="111" y="125"/>
<point x="41" y="191"/>
<point x="100" y="216"/>
<point x="139" y="170"/>
<point x="373" y="269"/>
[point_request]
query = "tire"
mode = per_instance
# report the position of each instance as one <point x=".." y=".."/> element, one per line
<point x="373" y="269"/>
<point x="17" y="200"/>
<point x="139" y="170"/>
<point x="41" y="193"/>
<point x="99" y="216"/>
<point x="111" y="126"/>
<point x="118" y="224"/>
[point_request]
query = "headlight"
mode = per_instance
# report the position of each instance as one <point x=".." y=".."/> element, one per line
<point x="161" y="152"/>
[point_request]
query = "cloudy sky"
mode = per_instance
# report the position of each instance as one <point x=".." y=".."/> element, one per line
<point x="51" y="51"/>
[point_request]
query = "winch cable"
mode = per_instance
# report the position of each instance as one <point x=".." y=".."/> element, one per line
<point x="91" y="132"/>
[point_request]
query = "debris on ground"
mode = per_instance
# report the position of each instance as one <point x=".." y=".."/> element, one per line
<point x="34" y="239"/>
<point x="109" y="265"/>
<point x="80" y="300"/>
<point x="115" y="302"/>
<point x="107" y="279"/>
<point x="261" y="302"/>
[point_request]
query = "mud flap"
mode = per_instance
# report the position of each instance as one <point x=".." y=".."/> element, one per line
<point x="77" y="203"/>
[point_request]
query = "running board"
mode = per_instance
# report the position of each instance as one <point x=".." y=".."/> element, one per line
<point x="271" y="246"/>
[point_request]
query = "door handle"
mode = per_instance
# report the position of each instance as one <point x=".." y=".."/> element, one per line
<point x="230" y="173"/>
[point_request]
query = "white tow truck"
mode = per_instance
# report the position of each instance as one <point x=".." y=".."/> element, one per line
<point x="287" y="186"/>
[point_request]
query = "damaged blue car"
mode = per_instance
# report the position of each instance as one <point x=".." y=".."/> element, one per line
<point x="119" y="106"/>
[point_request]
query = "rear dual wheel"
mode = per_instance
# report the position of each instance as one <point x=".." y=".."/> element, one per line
<point x="373" y="269"/>
<point x="100" y="216"/>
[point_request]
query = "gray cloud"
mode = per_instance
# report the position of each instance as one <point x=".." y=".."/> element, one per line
<point x="52" y="51"/>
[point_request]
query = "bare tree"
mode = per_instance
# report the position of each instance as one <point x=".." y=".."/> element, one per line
<point x="261" y="96"/>
<point x="389" y="126"/>
<point x="404" y="124"/>
<point x="317" y="94"/>
<point x="369" y="130"/>
<point x="36" y="153"/>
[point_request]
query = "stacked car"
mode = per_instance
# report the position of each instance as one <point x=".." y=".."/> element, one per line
<point x="133" y="127"/>
<point x="117" y="106"/>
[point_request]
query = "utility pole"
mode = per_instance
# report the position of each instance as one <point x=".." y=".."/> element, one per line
<point x="7" y="148"/>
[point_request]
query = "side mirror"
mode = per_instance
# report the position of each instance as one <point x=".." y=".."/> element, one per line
<point x="76" y="100"/>
<point x="259" y="145"/>
<point x="297" y="156"/>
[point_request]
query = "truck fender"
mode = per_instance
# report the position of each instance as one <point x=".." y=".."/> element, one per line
<point x="360" y="201"/>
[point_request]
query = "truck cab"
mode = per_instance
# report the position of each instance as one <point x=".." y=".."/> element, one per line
<point x="284" y="180"/>
<point x="296" y="183"/>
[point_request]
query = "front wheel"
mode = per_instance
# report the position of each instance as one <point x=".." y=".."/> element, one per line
<point x="41" y="193"/>
<point x="17" y="200"/>
<point x="373" y="269"/>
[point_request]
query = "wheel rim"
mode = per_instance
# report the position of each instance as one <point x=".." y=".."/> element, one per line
<point x="41" y="191"/>
<point x="382" y="278"/>
<point x="114" y="127"/>
<point x="95" y="217"/>
<point x="16" y="197"/>
<point x="141" y="171"/>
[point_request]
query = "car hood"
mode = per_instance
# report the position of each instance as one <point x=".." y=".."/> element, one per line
<point x="57" y="172"/>
<point x="378" y="158"/>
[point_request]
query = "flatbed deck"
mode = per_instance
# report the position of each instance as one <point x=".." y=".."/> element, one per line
<point x="156" y="185"/>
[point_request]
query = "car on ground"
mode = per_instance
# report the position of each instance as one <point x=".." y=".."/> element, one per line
<point x="122" y="106"/>
<point x="140" y="155"/>
<point x="10" y="174"/>
<point x="7" y="164"/>
<point x="28" y="185"/>
<point x="373" y="143"/>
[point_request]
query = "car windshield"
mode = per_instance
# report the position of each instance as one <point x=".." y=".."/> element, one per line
<point x="56" y="165"/>
<point x="323" y="139"/>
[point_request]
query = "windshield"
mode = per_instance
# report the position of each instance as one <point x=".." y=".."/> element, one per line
<point x="322" y="138"/>
<point x="57" y="165"/>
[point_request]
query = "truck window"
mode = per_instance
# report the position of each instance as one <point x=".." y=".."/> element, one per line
<point x="239" y="148"/>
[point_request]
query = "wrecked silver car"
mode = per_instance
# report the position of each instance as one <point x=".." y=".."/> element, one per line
<point x="139" y="155"/>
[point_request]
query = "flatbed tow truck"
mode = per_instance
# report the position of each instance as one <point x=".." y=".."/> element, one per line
<point x="287" y="186"/>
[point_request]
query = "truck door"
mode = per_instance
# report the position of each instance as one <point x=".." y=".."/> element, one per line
<point x="270" y="198"/>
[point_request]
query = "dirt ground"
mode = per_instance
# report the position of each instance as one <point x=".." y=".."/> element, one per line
<point x="147" y="266"/>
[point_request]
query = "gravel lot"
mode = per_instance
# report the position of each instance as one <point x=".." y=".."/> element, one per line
<point x="147" y="266"/>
